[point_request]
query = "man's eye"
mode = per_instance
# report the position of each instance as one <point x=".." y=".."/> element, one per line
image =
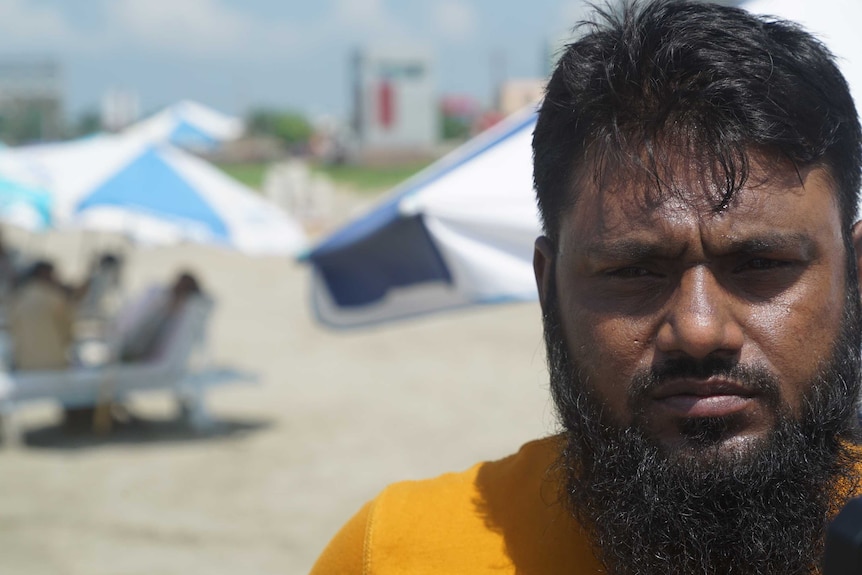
<point x="759" y="264"/>
<point x="630" y="272"/>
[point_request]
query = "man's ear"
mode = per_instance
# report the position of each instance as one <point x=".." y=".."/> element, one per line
<point x="543" y="259"/>
<point x="856" y="232"/>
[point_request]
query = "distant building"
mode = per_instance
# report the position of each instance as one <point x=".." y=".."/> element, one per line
<point x="395" y="108"/>
<point x="31" y="103"/>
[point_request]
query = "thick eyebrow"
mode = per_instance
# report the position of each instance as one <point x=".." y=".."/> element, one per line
<point x="640" y="250"/>
<point x="629" y="250"/>
<point x="797" y="242"/>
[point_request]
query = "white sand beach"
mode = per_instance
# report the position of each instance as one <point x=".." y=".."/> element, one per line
<point x="332" y="418"/>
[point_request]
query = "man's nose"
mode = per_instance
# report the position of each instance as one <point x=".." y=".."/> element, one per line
<point x="699" y="320"/>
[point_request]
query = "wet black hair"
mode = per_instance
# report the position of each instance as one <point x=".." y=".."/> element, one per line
<point x="716" y="80"/>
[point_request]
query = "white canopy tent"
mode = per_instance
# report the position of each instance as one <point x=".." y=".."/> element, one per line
<point x="460" y="232"/>
<point x="188" y="125"/>
<point x="153" y="194"/>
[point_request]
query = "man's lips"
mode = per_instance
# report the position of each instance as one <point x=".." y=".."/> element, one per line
<point x="703" y="398"/>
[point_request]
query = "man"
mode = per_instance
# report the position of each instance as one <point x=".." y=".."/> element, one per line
<point x="96" y="298"/>
<point x="142" y="326"/>
<point x="697" y="170"/>
<point x="40" y="321"/>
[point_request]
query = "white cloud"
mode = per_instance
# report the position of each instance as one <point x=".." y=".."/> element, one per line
<point x="180" y="28"/>
<point x="361" y="21"/>
<point x="192" y="26"/>
<point x="202" y="28"/>
<point x="196" y="29"/>
<point x="360" y="12"/>
<point x="454" y="19"/>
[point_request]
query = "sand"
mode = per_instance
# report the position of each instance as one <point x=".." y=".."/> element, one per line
<point x="332" y="418"/>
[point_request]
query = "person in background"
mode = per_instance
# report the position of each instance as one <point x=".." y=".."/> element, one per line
<point x="40" y="321"/>
<point x="8" y="271"/>
<point x="141" y="326"/>
<point x="96" y="297"/>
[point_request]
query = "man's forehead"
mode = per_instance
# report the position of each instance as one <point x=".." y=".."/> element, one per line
<point x="627" y="194"/>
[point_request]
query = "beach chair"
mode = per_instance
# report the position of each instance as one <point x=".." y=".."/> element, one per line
<point x="170" y="370"/>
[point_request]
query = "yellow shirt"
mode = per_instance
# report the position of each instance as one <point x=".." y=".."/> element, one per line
<point x="499" y="517"/>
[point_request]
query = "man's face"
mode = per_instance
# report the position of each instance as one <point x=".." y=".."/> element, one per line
<point x="705" y="367"/>
<point x="685" y="320"/>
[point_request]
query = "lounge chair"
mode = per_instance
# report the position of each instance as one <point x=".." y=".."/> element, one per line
<point x="169" y="370"/>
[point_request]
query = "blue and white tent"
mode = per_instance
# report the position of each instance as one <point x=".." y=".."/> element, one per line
<point x="24" y="202"/>
<point x="154" y="194"/>
<point x="460" y="232"/>
<point x="24" y="206"/>
<point x="188" y="125"/>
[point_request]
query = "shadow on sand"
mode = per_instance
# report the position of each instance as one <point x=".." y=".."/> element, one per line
<point x="134" y="430"/>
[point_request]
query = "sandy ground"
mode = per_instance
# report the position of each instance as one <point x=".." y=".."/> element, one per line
<point x="332" y="418"/>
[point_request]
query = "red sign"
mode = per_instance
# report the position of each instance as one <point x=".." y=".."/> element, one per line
<point x="386" y="104"/>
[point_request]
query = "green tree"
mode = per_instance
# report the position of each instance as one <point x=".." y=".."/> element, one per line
<point x="87" y="123"/>
<point x="32" y="120"/>
<point x="290" y="127"/>
<point x="454" y="128"/>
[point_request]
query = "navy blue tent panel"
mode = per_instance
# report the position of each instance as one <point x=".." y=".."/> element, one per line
<point x="367" y="225"/>
<point x="397" y="255"/>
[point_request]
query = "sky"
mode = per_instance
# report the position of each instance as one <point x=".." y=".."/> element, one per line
<point x="235" y="55"/>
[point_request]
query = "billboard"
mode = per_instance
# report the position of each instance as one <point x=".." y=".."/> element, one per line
<point x="395" y="104"/>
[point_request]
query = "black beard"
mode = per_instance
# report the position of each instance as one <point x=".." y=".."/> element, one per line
<point x="699" y="509"/>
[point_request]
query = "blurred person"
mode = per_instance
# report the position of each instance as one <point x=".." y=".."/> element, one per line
<point x="138" y="334"/>
<point x="95" y="296"/>
<point x="7" y="269"/>
<point x="40" y="321"/>
<point x="41" y="327"/>
<point x="142" y="324"/>
<point x="697" y="171"/>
